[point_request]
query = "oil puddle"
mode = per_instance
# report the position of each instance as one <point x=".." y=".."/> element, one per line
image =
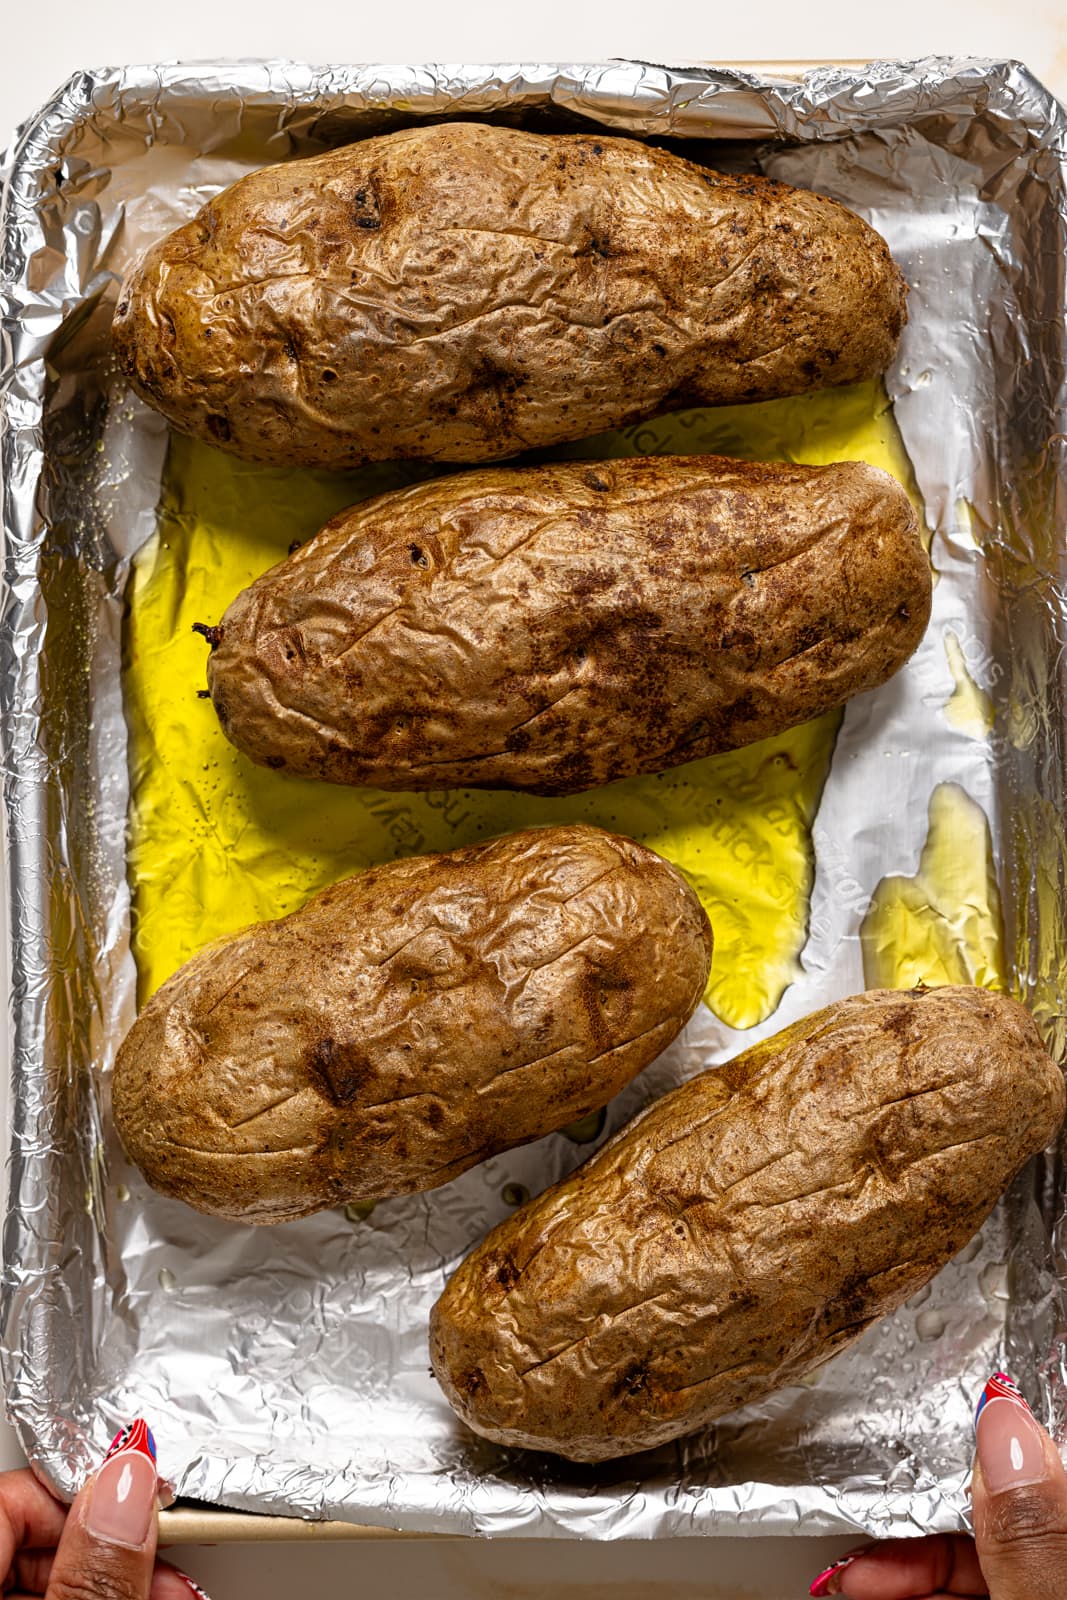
<point x="968" y="707"/>
<point x="944" y="924"/>
<point x="216" y="843"/>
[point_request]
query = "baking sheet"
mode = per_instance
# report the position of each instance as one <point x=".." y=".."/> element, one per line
<point x="285" y="1369"/>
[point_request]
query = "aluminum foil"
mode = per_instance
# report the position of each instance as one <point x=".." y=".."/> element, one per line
<point x="285" y="1370"/>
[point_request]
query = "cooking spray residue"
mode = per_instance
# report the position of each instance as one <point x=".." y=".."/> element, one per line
<point x="217" y="843"/>
<point x="944" y="924"/>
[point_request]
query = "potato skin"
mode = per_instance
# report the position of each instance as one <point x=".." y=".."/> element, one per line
<point x="748" y="1226"/>
<point x="409" y="1022"/>
<point x="464" y="292"/>
<point x="553" y="628"/>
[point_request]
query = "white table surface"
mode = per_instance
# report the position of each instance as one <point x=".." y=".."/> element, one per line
<point x="41" y="46"/>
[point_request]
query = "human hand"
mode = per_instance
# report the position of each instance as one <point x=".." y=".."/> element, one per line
<point x="1019" y="1500"/>
<point x="103" y="1547"/>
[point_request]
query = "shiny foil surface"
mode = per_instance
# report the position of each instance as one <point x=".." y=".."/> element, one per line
<point x="285" y="1369"/>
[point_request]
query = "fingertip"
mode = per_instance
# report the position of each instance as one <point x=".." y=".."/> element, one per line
<point x="829" y="1581"/>
<point x="928" y="1565"/>
<point x="122" y="1506"/>
<point x="1013" y="1450"/>
<point x="171" y="1583"/>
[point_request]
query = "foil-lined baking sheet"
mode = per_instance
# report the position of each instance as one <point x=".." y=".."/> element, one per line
<point x="286" y="1369"/>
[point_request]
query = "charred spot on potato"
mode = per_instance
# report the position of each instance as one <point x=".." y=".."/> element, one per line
<point x="696" y="734"/>
<point x="338" y="1072"/>
<point x="418" y="556"/>
<point x="213" y="634"/>
<point x="743" y="709"/>
<point x="493" y="387"/>
<point x="366" y="211"/>
<point x="633" y="1379"/>
<point x="275" y="763"/>
<point x="507" y="1273"/>
<point x="897" y="1021"/>
<point x="471" y="1382"/>
<point x="168" y="334"/>
<point x="218" y="426"/>
<point x="737" y="639"/>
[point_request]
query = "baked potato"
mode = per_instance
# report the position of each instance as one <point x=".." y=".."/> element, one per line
<point x="553" y="628"/>
<point x="461" y="292"/>
<point x="747" y="1226"/>
<point x="409" y="1022"/>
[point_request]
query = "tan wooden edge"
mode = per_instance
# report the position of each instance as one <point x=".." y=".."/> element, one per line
<point x="212" y="1525"/>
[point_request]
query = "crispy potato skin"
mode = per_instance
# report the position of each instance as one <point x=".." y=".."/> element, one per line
<point x="553" y="628"/>
<point x="464" y="292"/>
<point x="747" y="1226"/>
<point x="409" y="1022"/>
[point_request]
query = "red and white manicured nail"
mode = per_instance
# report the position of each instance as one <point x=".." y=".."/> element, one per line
<point x="829" y="1582"/>
<point x="1010" y="1442"/>
<point x="162" y="1582"/>
<point x="135" y="1436"/>
<point x="999" y="1387"/>
<point x="122" y="1501"/>
<point x="194" y="1587"/>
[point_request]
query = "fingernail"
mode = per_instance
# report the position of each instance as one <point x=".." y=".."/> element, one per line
<point x="123" y="1499"/>
<point x="190" y="1583"/>
<point x="201" y="1594"/>
<point x="829" y="1582"/>
<point x="135" y="1436"/>
<point x="1011" y="1444"/>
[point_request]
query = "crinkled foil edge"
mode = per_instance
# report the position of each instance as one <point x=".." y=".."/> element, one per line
<point x="1010" y="469"/>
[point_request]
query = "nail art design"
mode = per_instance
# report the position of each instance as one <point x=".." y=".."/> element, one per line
<point x="123" y="1497"/>
<point x="822" y="1584"/>
<point x="194" y="1587"/>
<point x="135" y="1436"/>
<point x="999" y="1387"/>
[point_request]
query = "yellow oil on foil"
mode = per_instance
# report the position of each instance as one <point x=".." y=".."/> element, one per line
<point x="968" y="707"/>
<point x="217" y="843"/>
<point x="944" y="924"/>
